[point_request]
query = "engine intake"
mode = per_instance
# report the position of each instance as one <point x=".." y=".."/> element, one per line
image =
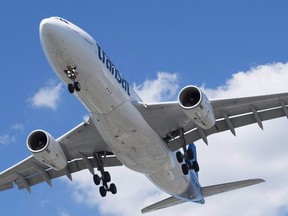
<point x="37" y="141"/>
<point x="189" y="97"/>
<point x="46" y="149"/>
<point x="196" y="106"/>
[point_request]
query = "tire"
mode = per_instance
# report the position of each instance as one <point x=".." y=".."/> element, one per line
<point x="185" y="169"/>
<point x="102" y="191"/>
<point x="96" y="179"/>
<point x="71" y="88"/>
<point x="107" y="177"/>
<point x="195" y="166"/>
<point x="190" y="154"/>
<point x="77" y="86"/>
<point x="179" y="157"/>
<point x="113" y="188"/>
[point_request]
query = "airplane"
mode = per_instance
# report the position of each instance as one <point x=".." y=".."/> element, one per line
<point x="155" y="139"/>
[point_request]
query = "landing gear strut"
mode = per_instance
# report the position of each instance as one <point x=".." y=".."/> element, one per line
<point x="104" y="179"/>
<point x="72" y="74"/>
<point x="188" y="157"/>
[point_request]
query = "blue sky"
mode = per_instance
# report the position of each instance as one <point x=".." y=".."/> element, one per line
<point x="213" y="44"/>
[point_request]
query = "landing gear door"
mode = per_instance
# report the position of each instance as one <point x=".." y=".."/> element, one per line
<point x="64" y="60"/>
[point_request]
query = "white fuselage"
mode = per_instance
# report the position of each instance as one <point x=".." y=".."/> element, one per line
<point x="109" y="98"/>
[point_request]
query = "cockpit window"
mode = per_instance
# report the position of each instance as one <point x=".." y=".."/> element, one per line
<point x="64" y="20"/>
<point x="61" y="19"/>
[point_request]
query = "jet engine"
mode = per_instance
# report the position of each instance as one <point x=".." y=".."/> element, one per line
<point x="196" y="106"/>
<point x="46" y="149"/>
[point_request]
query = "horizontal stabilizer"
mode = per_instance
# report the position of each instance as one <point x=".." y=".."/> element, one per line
<point x="207" y="191"/>
<point x="221" y="188"/>
<point x="171" y="201"/>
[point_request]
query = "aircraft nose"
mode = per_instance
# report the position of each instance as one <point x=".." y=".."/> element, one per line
<point x="52" y="25"/>
<point x="47" y="26"/>
<point x="51" y="31"/>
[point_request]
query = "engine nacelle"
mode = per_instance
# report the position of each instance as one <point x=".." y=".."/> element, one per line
<point x="46" y="149"/>
<point x="197" y="106"/>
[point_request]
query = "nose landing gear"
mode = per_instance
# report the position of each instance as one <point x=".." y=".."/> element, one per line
<point x="72" y="74"/>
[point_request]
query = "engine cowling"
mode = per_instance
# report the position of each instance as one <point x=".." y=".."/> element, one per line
<point x="46" y="149"/>
<point x="197" y="106"/>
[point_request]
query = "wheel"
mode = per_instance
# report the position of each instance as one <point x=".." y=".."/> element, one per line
<point x="185" y="169"/>
<point x="107" y="177"/>
<point x="195" y="166"/>
<point x="179" y="157"/>
<point x="113" y="188"/>
<point x="71" y="88"/>
<point x="77" y="86"/>
<point x="96" y="179"/>
<point x="102" y="191"/>
<point x="190" y="154"/>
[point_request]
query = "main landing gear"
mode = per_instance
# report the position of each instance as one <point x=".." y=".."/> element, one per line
<point x="72" y="74"/>
<point x="104" y="179"/>
<point x="188" y="157"/>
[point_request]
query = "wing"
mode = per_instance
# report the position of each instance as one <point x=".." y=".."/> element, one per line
<point x="207" y="191"/>
<point x="80" y="145"/>
<point x="167" y="118"/>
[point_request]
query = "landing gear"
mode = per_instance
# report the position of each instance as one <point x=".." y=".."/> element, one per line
<point x="72" y="74"/>
<point x="195" y="166"/>
<point x="103" y="191"/>
<point x="76" y="86"/>
<point x="71" y="88"/>
<point x="104" y="179"/>
<point x="188" y="157"/>
<point x="96" y="179"/>
<point x="185" y="169"/>
<point x="113" y="188"/>
<point x="180" y="157"/>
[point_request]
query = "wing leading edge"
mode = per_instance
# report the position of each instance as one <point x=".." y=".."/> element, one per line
<point x="207" y="191"/>
<point x="80" y="145"/>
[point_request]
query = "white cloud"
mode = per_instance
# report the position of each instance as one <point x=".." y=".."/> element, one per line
<point x="263" y="79"/>
<point x="64" y="213"/>
<point x="252" y="154"/>
<point x="164" y="87"/>
<point x="44" y="203"/>
<point x="47" y="96"/>
<point x="133" y="189"/>
<point x="18" y="126"/>
<point x="6" y="139"/>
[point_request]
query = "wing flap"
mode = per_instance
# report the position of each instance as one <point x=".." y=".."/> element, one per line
<point x="24" y="167"/>
<point x="73" y="166"/>
<point x="6" y="186"/>
<point x="222" y="125"/>
<point x="238" y="106"/>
